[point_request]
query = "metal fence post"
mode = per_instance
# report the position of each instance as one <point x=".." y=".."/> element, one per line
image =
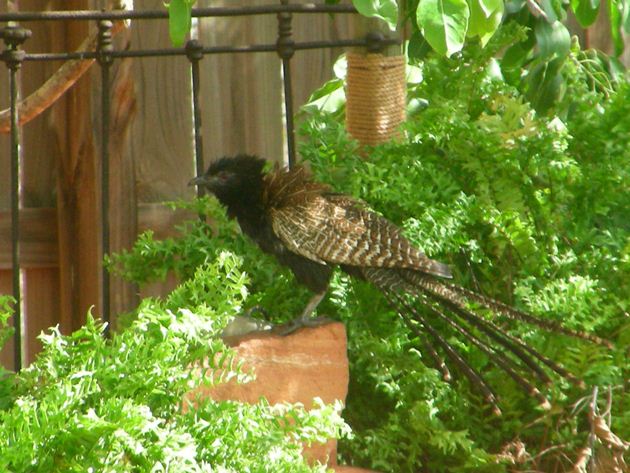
<point x="194" y="52"/>
<point x="104" y="58"/>
<point x="14" y="36"/>
<point x="285" y="47"/>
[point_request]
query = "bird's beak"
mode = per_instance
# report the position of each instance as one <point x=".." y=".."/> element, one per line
<point x="197" y="181"/>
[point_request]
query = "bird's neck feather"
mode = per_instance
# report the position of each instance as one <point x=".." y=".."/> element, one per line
<point x="245" y="203"/>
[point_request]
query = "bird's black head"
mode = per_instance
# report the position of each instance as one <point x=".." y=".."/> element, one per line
<point x="233" y="179"/>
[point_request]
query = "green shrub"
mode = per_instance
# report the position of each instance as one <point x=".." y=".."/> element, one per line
<point x="526" y="208"/>
<point x="529" y="209"/>
<point x="116" y="405"/>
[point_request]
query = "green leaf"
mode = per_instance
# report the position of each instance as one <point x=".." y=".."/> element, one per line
<point x="329" y="98"/>
<point x="514" y="6"/>
<point x="585" y="11"/>
<point x="418" y="47"/>
<point x="490" y="7"/>
<point x="443" y="24"/>
<point x="616" y="11"/>
<point x="386" y="10"/>
<point x="546" y="85"/>
<point x="515" y="56"/>
<point x="554" y="10"/>
<point x="485" y="18"/>
<point x="553" y="39"/>
<point x="179" y="20"/>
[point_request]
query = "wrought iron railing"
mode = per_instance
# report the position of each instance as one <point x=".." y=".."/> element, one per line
<point x="16" y="53"/>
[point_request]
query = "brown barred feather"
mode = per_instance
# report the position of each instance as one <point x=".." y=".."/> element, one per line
<point x="515" y="314"/>
<point x="440" y="292"/>
<point x="326" y="228"/>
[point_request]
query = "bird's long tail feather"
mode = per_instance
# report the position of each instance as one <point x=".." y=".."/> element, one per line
<point x="448" y="304"/>
<point x="410" y="314"/>
<point x="513" y="344"/>
<point x="515" y="314"/>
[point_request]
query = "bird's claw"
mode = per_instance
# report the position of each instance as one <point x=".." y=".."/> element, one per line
<point x="256" y="310"/>
<point x="302" y="322"/>
<point x="246" y="323"/>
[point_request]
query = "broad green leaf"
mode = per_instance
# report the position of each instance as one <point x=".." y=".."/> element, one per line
<point x="545" y="85"/>
<point x="414" y="74"/>
<point x="418" y="47"/>
<point x="485" y="18"/>
<point x="511" y="62"/>
<point x="515" y="56"/>
<point x="514" y="6"/>
<point x="554" y="10"/>
<point x="494" y="71"/>
<point x="616" y="11"/>
<point x="328" y="98"/>
<point x="331" y="96"/>
<point x="625" y="17"/>
<point x="179" y="20"/>
<point x="386" y="10"/>
<point x="444" y="24"/>
<point x="340" y="67"/>
<point x="585" y="11"/>
<point x="553" y="39"/>
<point x="490" y="7"/>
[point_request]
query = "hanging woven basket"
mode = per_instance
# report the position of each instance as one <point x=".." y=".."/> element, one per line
<point x="376" y="104"/>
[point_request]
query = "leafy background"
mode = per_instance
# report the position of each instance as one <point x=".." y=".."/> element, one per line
<point x="514" y="169"/>
<point x="529" y="206"/>
<point x="89" y="403"/>
<point x="526" y="206"/>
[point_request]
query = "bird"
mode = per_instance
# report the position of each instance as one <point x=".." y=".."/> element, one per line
<point x="312" y="230"/>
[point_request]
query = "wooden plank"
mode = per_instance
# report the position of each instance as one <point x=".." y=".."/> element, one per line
<point x="161" y="143"/>
<point x="312" y="68"/>
<point x="123" y="199"/>
<point x="39" y="147"/>
<point x="5" y="152"/>
<point x="41" y="297"/>
<point x="161" y="219"/>
<point x="38" y="230"/>
<point x="241" y="93"/>
<point x="42" y="303"/>
<point x="37" y="181"/>
<point x="160" y="288"/>
<point x="39" y="153"/>
<point x="38" y="238"/>
<point x="6" y="276"/>
<point x="77" y="186"/>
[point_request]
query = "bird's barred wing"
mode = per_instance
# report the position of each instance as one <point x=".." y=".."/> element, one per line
<point x="340" y="231"/>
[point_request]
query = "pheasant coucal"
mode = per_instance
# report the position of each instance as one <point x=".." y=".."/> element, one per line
<point x="311" y="229"/>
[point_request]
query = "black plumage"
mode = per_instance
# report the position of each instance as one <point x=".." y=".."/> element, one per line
<point x="311" y="229"/>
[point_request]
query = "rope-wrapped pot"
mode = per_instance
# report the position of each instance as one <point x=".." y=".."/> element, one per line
<point x="375" y="94"/>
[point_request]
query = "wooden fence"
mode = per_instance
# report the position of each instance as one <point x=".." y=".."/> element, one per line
<point x="151" y="146"/>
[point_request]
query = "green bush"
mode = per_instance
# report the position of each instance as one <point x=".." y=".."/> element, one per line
<point x="529" y="209"/>
<point x="116" y="405"/>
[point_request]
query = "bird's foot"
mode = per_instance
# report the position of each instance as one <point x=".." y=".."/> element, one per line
<point x="256" y="310"/>
<point x="302" y="322"/>
<point x="246" y="323"/>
